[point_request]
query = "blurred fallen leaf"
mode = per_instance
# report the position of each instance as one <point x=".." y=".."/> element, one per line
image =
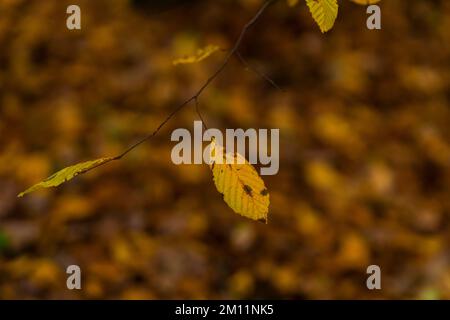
<point x="200" y="55"/>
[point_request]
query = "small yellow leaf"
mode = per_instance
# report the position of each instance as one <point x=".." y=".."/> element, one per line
<point x="242" y="188"/>
<point x="365" y="2"/>
<point x="66" y="174"/>
<point x="324" y="13"/>
<point x="200" y="55"/>
<point x="292" y="3"/>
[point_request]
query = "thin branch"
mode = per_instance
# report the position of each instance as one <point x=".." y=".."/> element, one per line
<point x="196" y="96"/>
<point x="247" y="26"/>
<point x="197" y="109"/>
<point x="259" y="73"/>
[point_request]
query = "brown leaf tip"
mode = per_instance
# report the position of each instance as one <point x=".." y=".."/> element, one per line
<point x="263" y="220"/>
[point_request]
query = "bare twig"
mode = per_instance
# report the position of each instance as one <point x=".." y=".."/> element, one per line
<point x="196" y="96"/>
<point x="197" y="109"/>
<point x="259" y="73"/>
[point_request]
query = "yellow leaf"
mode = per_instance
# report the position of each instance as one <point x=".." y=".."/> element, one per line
<point x="292" y="3"/>
<point x="66" y="174"/>
<point x="242" y="188"/>
<point x="365" y="2"/>
<point x="324" y="13"/>
<point x="200" y="55"/>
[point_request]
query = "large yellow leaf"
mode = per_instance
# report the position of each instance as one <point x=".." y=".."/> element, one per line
<point x="66" y="174"/>
<point x="242" y="188"/>
<point x="324" y="12"/>
<point x="200" y="55"/>
<point x="365" y="2"/>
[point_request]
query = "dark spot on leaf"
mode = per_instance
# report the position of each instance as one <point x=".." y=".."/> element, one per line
<point x="264" y="192"/>
<point x="248" y="190"/>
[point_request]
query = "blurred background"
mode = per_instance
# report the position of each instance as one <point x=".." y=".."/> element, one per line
<point x="364" y="144"/>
